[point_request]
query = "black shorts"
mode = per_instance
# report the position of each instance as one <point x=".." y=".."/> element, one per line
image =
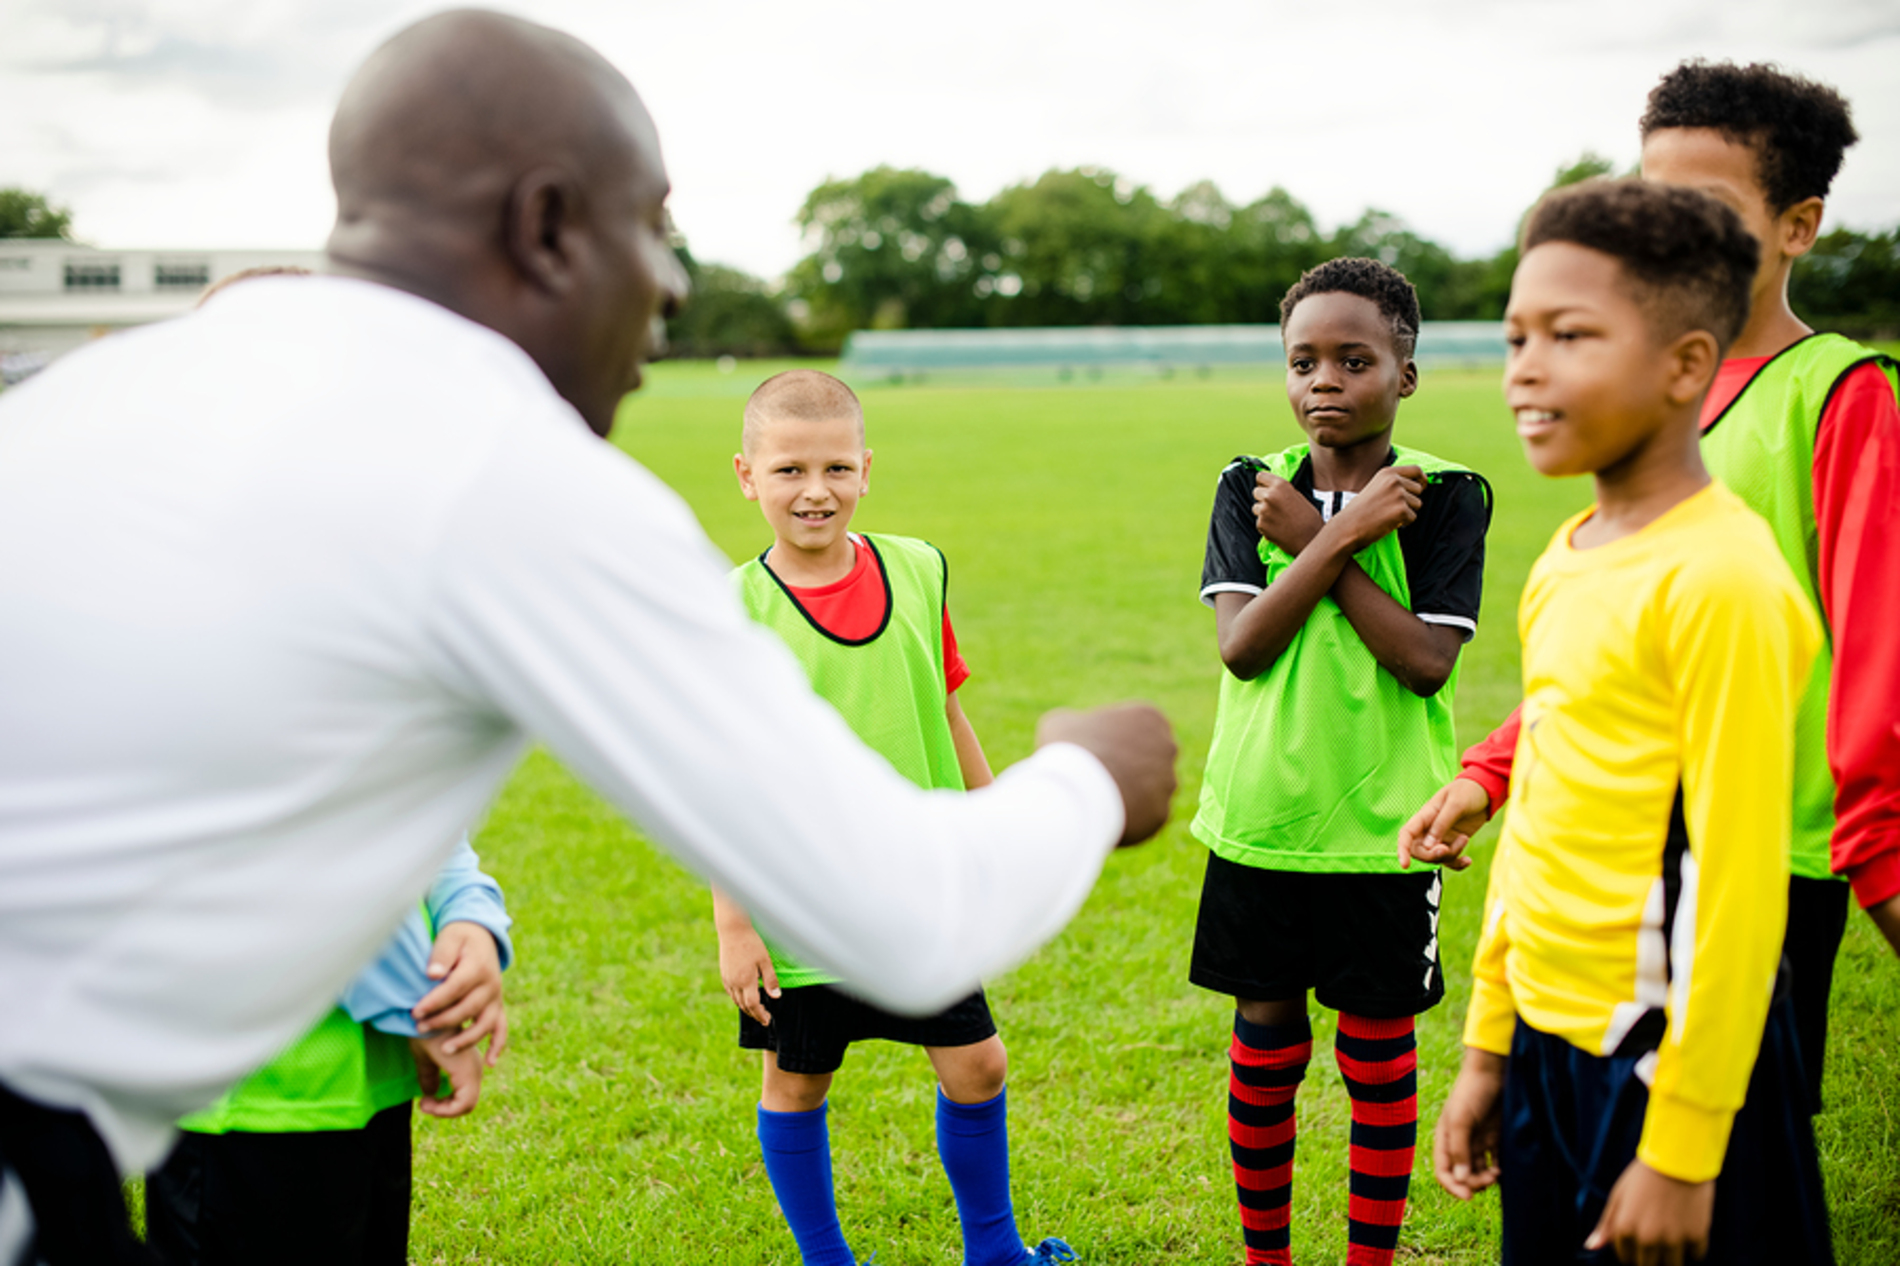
<point x="1364" y="944"/>
<point x="812" y="1025"/>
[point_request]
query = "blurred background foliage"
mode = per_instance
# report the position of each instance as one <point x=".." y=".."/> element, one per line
<point x="899" y="248"/>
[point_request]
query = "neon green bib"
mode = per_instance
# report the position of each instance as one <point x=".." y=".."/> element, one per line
<point x="889" y="688"/>
<point x="335" y="1077"/>
<point x="1315" y="763"/>
<point x="1762" y="448"/>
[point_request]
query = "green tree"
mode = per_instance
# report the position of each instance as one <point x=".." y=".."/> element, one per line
<point x="729" y="313"/>
<point x="27" y="214"/>
<point x="889" y="249"/>
<point x="1087" y="247"/>
<point x="1273" y="241"/>
<point x="1850" y="283"/>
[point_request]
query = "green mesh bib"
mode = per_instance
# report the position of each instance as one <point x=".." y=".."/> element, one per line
<point x="1762" y="448"/>
<point x="1315" y="763"/>
<point x="335" y="1077"/>
<point x="889" y="688"/>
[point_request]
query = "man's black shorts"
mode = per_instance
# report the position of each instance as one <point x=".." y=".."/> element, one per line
<point x="1364" y="944"/>
<point x="812" y="1025"/>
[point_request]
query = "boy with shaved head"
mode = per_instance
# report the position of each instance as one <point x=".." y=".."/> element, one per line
<point x="869" y="620"/>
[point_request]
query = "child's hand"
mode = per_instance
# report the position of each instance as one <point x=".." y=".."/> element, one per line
<point x="744" y="963"/>
<point x="1654" y="1219"/>
<point x="1471" y="1126"/>
<point x="467" y="962"/>
<point x="1282" y="514"/>
<point x="1439" y="831"/>
<point x="1384" y="505"/>
<point x="463" y="1068"/>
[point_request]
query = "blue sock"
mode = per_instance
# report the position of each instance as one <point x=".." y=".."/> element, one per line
<point x="797" y="1149"/>
<point x="973" y="1142"/>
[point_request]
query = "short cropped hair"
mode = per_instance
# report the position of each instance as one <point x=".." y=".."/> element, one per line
<point x="1383" y="284"/>
<point x="1689" y="258"/>
<point x="1798" y="128"/>
<point x="799" y="395"/>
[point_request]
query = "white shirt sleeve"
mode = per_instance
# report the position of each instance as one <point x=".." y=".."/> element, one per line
<point x="578" y="594"/>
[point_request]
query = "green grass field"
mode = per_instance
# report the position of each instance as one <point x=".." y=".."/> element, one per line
<point x="619" y="1127"/>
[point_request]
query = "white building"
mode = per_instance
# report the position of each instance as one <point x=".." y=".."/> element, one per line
<point x="56" y="295"/>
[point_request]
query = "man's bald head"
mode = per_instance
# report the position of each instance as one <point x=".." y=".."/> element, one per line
<point x="798" y="395"/>
<point x="442" y="116"/>
<point x="509" y="173"/>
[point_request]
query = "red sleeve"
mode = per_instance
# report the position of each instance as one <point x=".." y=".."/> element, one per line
<point x="1488" y="761"/>
<point x="1857" y="512"/>
<point x="955" y="671"/>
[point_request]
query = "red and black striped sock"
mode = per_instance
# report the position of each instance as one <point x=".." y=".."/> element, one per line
<point x="1268" y="1062"/>
<point x="1379" y="1060"/>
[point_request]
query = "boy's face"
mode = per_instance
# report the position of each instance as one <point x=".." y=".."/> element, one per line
<point x="1587" y="380"/>
<point x="1344" y="378"/>
<point x="807" y="478"/>
<point x="1703" y="159"/>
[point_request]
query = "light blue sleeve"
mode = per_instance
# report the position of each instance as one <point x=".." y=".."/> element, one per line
<point x="383" y="994"/>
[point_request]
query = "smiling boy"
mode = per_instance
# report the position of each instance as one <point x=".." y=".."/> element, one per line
<point x="1345" y="577"/>
<point x="1805" y="429"/>
<point x="869" y="619"/>
<point x="1636" y="906"/>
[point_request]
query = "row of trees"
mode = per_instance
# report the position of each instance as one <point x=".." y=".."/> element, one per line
<point x="898" y="248"/>
<point x="895" y="249"/>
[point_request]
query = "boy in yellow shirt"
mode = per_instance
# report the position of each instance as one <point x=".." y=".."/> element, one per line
<point x="1622" y="1051"/>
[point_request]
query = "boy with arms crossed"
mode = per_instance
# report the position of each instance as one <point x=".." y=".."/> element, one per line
<point x="1345" y="576"/>
<point x="1804" y="428"/>
<point x="1637" y="902"/>
<point x="869" y="620"/>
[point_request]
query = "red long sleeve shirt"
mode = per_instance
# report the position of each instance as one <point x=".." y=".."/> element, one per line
<point x="1857" y="517"/>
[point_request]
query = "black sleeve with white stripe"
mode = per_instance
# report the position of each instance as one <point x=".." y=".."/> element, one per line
<point x="1444" y="550"/>
<point x="1232" y="564"/>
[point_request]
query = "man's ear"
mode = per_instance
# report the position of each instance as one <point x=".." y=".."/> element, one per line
<point x="543" y="215"/>
<point x="1799" y="226"/>
<point x="1693" y="360"/>
<point x="743" y="469"/>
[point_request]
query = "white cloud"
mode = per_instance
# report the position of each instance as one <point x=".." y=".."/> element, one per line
<point x="200" y="122"/>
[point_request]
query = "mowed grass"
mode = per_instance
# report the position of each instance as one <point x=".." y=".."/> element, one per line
<point x="620" y="1125"/>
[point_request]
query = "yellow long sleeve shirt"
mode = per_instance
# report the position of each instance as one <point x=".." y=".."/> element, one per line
<point x="1669" y="661"/>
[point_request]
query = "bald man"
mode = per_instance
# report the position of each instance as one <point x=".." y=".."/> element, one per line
<point x="291" y="582"/>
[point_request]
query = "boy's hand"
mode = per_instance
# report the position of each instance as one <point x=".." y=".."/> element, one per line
<point x="467" y="962"/>
<point x="1135" y="744"/>
<point x="1282" y="514"/>
<point x="1886" y="917"/>
<point x="1384" y="505"/>
<point x="463" y="1068"/>
<point x="1655" y="1220"/>
<point x="1438" y="832"/>
<point x="745" y="965"/>
<point x="1471" y="1126"/>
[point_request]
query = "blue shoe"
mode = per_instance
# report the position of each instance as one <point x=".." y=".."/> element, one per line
<point x="1051" y="1250"/>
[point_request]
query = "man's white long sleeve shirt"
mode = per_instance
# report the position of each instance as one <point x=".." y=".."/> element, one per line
<point x="286" y="587"/>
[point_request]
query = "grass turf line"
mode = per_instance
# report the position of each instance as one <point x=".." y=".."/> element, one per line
<point x="619" y="1127"/>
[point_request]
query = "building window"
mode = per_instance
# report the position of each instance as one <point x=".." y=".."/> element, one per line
<point x="181" y="276"/>
<point x="91" y="276"/>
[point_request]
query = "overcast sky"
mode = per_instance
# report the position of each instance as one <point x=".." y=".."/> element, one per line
<point x="200" y="123"/>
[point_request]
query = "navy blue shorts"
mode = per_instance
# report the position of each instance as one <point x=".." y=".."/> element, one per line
<point x="1572" y="1122"/>
<point x="813" y="1024"/>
